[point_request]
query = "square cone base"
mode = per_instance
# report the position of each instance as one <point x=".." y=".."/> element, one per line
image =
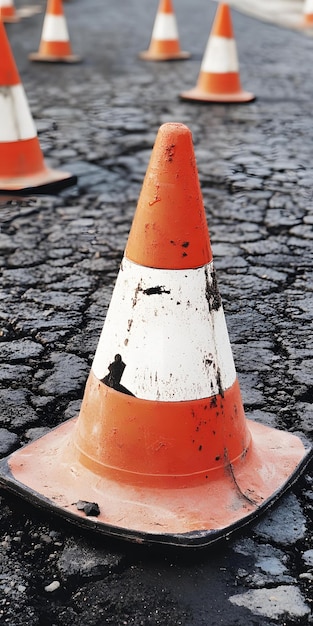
<point x="48" y="181"/>
<point x="11" y="19"/>
<point x="146" y="55"/>
<point x="198" y="95"/>
<point x="49" y="473"/>
<point x="51" y="58"/>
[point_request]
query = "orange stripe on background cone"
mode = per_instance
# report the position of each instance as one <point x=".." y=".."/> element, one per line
<point x="8" y="12"/>
<point x="22" y="166"/>
<point x="161" y="450"/>
<point x="55" y="45"/>
<point x="164" y="44"/>
<point x="219" y="79"/>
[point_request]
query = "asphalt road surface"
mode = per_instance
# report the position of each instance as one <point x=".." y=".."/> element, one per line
<point x="60" y="256"/>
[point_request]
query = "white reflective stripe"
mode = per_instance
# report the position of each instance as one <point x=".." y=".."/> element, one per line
<point x="173" y="346"/>
<point x="220" y="56"/>
<point x="308" y="7"/>
<point x="54" y="28"/>
<point x="16" y="120"/>
<point x="6" y="3"/>
<point x="165" y="27"/>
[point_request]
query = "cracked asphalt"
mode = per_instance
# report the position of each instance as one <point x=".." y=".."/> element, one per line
<point x="60" y="256"/>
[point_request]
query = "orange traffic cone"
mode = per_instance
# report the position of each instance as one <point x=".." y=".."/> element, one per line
<point x="161" y="450"/>
<point x="22" y="166"/>
<point x="55" y="46"/>
<point x="164" y="45"/>
<point x="219" y="79"/>
<point x="8" y="12"/>
<point x="308" y="14"/>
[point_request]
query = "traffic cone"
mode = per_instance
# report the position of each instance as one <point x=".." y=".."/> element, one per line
<point x="8" y="12"/>
<point x="22" y="166"/>
<point x="164" y="45"/>
<point x="307" y="21"/>
<point x="161" y="450"/>
<point x="219" y="79"/>
<point x="55" y="46"/>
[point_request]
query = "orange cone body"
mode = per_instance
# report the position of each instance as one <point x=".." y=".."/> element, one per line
<point x="22" y="166"/>
<point x="55" y="44"/>
<point x="164" y="44"/>
<point x="161" y="446"/>
<point x="219" y="79"/>
<point x="308" y="14"/>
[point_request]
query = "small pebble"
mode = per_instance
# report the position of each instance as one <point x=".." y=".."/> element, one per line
<point x="89" y="508"/>
<point x="306" y="576"/>
<point x="53" y="586"/>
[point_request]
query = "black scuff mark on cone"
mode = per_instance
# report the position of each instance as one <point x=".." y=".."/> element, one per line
<point x="212" y="293"/>
<point x="170" y="152"/>
<point x="183" y="245"/>
<point x="219" y="382"/>
<point x="213" y="402"/>
<point x="151" y="291"/>
<point x="137" y="290"/>
<point x="129" y="325"/>
<point x="214" y="301"/>
<point x="216" y="380"/>
<point x="113" y="378"/>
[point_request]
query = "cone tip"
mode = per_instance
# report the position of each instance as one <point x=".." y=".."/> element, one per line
<point x="222" y="26"/>
<point x="169" y="229"/>
<point x="172" y="134"/>
<point x="174" y="127"/>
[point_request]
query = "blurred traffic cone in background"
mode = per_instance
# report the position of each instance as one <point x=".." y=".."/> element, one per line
<point x="161" y="450"/>
<point x="8" y="12"/>
<point x="22" y="166"/>
<point x="219" y="79"/>
<point x="55" y="46"/>
<point x="307" y="21"/>
<point x="164" y="45"/>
